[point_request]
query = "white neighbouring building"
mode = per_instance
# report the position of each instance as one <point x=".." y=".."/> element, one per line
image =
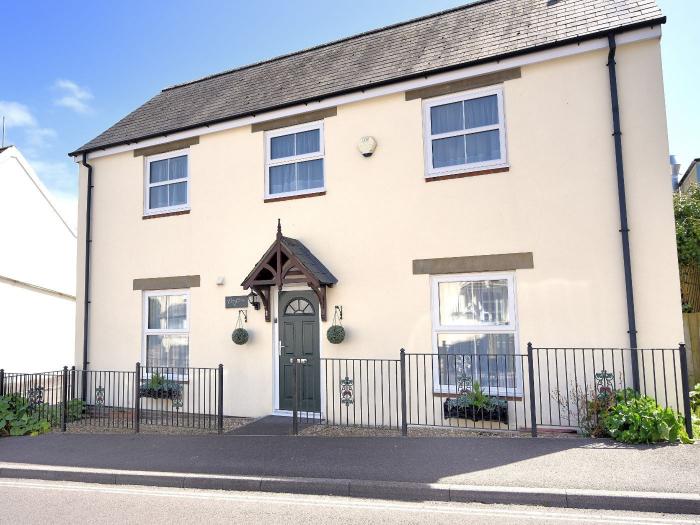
<point x="37" y="272"/>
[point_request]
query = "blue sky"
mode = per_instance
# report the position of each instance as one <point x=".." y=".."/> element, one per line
<point x="70" y="70"/>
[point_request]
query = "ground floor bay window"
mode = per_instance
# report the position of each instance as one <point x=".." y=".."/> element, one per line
<point x="475" y="333"/>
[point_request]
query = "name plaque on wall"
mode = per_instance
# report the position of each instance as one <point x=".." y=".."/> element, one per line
<point x="236" y="301"/>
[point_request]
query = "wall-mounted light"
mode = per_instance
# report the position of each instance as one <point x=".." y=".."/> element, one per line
<point x="254" y="300"/>
<point x="367" y="145"/>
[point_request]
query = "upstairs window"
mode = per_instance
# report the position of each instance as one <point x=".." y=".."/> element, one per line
<point x="294" y="161"/>
<point x="167" y="182"/>
<point x="464" y="132"/>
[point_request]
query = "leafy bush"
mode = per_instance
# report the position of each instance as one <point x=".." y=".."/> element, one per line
<point x="695" y="400"/>
<point x="17" y="417"/>
<point x="640" y="419"/>
<point x="686" y="207"/>
<point x="76" y="409"/>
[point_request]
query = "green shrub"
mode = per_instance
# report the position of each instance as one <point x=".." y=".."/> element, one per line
<point x="640" y="419"/>
<point x="695" y="400"/>
<point x="53" y="413"/>
<point x="17" y="417"/>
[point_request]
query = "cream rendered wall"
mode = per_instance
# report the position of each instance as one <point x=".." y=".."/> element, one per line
<point x="558" y="201"/>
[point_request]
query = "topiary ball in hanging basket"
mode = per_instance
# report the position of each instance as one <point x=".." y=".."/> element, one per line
<point x="336" y="334"/>
<point x="240" y="336"/>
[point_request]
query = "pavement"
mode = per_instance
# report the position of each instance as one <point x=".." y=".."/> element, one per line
<point x="572" y="472"/>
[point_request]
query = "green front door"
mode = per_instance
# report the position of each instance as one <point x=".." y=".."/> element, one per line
<point x="299" y="338"/>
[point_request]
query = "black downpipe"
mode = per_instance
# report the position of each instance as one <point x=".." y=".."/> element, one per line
<point x="86" y="289"/>
<point x="624" y="227"/>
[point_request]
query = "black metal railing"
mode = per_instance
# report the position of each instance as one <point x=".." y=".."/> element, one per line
<point x="120" y="399"/>
<point x="478" y="391"/>
<point x="567" y="382"/>
<point x="542" y="388"/>
<point x="353" y="392"/>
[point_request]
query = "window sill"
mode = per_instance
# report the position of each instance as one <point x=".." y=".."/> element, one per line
<point x="474" y="173"/>
<point x="158" y="215"/>
<point x="292" y="197"/>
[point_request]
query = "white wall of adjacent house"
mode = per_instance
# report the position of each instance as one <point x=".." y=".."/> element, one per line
<point x="37" y="273"/>
<point x="558" y="200"/>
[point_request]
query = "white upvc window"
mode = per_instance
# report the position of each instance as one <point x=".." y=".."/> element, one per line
<point x="464" y="132"/>
<point x="475" y="333"/>
<point x="294" y="160"/>
<point x="166" y="330"/>
<point x="167" y="182"/>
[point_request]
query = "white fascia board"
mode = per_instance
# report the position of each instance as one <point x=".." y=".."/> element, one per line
<point x="585" y="46"/>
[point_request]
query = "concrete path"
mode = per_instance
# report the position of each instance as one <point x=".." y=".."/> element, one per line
<point x="268" y="426"/>
<point x="558" y="469"/>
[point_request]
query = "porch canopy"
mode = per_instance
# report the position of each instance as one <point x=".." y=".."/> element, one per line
<point x="288" y="261"/>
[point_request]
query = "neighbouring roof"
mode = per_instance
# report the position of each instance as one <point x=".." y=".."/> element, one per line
<point x="478" y="32"/>
<point x="688" y="170"/>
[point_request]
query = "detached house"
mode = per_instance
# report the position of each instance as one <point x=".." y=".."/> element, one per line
<point x="460" y="183"/>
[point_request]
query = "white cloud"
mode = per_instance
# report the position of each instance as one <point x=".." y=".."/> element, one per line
<point x="16" y="115"/>
<point x="20" y="117"/>
<point x="73" y="96"/>
<point x="38" y="137"/>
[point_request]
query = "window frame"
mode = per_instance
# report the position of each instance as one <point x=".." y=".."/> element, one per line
<point x="428" y="137"/>
<point x="147" y="210"/>
<point x="269" y="162"/>
<point x="146" y="331"/>
<point x="512" y="327"/>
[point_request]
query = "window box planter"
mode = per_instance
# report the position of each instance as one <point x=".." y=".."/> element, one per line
<point x="453" y="408"/>
<point x="159" y="388"/>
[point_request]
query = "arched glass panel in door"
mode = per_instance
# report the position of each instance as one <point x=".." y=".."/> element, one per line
<point x="299" y="306"/>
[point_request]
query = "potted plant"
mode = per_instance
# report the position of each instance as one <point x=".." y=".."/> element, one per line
<point x="159" y="387"/>
<point x="476" y="405"/>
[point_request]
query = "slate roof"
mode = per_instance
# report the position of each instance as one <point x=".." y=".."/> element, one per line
<point x="474" y="33"/>
<point x="309" y="260"/>
<point x="688" y="170"/>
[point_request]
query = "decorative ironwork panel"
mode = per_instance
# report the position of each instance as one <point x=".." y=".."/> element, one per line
<point x="100" y="396"/>
<point x="347" y="391"/>
<point x="604" y="384"/>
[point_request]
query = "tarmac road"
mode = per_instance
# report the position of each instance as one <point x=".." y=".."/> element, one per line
<point x="32" y="501"/>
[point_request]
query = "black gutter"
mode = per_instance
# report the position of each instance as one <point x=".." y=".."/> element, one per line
<point x="622" y="199"/>
<point x="424" y="74"/>
<point x="86" y="289"/>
